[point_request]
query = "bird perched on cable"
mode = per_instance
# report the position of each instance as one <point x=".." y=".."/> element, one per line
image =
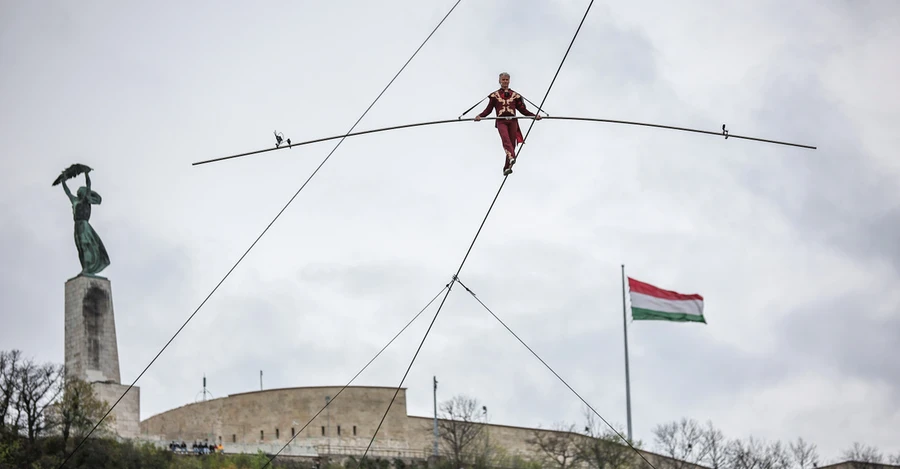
<point x="279" y="138"/>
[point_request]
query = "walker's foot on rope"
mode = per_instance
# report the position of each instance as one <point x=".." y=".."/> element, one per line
<point x="510" y="161"/>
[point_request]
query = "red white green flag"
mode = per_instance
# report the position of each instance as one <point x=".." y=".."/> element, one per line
<point x="652" y="303"/>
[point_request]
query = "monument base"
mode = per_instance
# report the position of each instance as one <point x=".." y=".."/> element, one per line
<point x="127" y="412"/>
<point x="92" y="352"/>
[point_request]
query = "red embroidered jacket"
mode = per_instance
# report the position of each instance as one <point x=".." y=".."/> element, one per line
<point x="506" y="103"/>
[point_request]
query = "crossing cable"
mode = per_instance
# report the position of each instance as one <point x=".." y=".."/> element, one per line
<point x="552" y="371"/>
<point x="327" y="403"/>
<point x="723" y="133"/>
<point x="261" y="234"/>
<point x="456" y="275"/>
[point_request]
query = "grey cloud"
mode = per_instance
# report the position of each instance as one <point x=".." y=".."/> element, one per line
<point x="728" y="369"/>
<point x="843" y="334"/>
<point x="835" y="195"/>
<point x="634" y="56"/>
<point x="371" y="278"/>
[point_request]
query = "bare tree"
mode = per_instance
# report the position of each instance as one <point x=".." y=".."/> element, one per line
<point x="863" y="457"/>
<point x="895" y="460"/>
<point x="9" y="372"/>
<point x="757" y="454"/>
<point x="36" y="387"/>
<point x="804" y="454"/>
<point x="682" y="441"/>
<point x="747" y="455"/>
<point x="603" y="448"/>
<point x="716" y="447"/>
<point x="459" y="429"/>
<point x="556" y="447"/>
<point x="778" y="456"/>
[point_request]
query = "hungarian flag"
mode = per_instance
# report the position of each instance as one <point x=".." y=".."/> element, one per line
<point x="652" y="303"/>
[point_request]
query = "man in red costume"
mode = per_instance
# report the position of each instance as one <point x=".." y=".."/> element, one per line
<point x="506" y="102"/>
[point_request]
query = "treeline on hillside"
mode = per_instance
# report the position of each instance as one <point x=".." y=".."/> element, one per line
<point x="43" y="412"/>
<point x="44" y="415"/>
<point x="465" y="440"/>
<point x="693" y="443"/>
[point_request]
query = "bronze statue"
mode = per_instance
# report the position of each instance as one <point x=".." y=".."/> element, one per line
<point x="91" y="251"/>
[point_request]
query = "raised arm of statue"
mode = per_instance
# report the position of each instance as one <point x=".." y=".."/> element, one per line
<point x="68" y="192"/>
<point x="87" y="180"/>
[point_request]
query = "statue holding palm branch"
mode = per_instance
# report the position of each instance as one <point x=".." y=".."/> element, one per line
<point x="91" y="252"/>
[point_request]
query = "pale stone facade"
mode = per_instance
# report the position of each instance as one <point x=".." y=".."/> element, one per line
<point x="266" y="420"/>
<point x="91" y="349"/>
<point x="127" y="412"/>
<point x="274" y="416"/>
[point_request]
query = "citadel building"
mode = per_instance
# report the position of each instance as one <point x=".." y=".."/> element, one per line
<point x="267" y="420"/>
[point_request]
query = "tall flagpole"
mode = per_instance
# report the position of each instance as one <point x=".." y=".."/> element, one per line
<point x="627" y="377"/>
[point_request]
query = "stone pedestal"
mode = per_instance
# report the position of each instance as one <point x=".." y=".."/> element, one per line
<point x="92" y="352"/>
<point x="127" y="412"/>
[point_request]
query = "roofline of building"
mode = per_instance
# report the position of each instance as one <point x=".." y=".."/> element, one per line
<point x="862" y="463"/>
<point x="313" y="387"/>
<point x="516" y="427"/>
<point x="267" y="390"/>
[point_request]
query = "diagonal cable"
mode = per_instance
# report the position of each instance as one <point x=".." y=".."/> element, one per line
<point x="397" y="391"/>
<point x="455" y="276"/>
<point x="358" y="373"/>
<point x="553" y="371"/>
<point x="258" y="238"/>
<point x="525" y="138"/>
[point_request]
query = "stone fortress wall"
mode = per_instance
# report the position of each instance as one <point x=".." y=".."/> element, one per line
<point x="274" y="416"/>
<point x="268" y="419"/>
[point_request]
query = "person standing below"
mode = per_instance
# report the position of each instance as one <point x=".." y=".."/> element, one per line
<point x="506" y="102"/>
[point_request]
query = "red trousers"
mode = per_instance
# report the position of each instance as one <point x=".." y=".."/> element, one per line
<point x="510" y="136"/>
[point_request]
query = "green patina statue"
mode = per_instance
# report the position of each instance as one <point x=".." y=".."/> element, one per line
<point x="91" y="251"/>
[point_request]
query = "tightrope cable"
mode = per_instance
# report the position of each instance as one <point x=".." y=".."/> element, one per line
<point x="552" y="371"/>
<point x="724" y="133"/>
<point x="259" y="237"/>
<point x="455" y="276"/>
<point x="448" y="285"/>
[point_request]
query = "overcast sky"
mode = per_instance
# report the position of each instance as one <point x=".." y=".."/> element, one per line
<point x="794" y="250"/>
